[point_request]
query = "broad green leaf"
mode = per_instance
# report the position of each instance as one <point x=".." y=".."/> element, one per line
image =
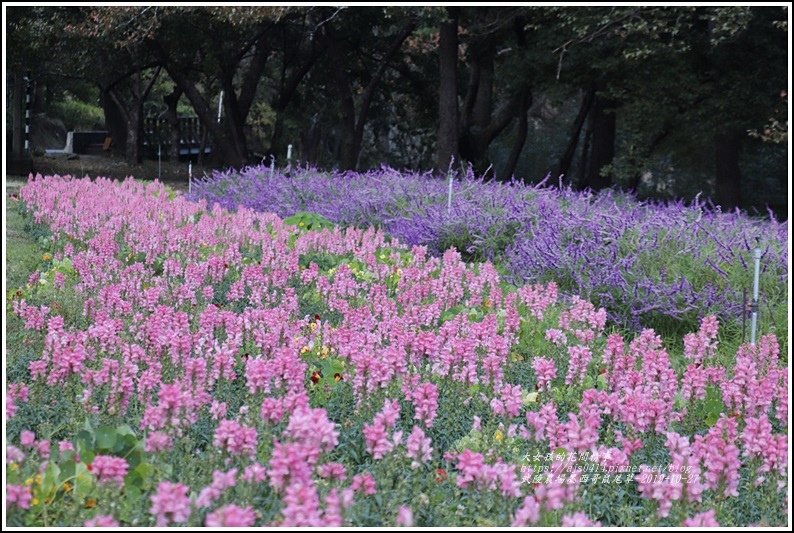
<point x="105" y="438"/>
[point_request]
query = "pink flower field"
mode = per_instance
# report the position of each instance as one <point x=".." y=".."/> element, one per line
<point x="171" y="364"/>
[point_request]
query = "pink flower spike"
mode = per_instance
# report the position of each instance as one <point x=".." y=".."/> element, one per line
<point x="702" y="520"/>
<point x="405" y="517"/>
<point x="231" y="516"/>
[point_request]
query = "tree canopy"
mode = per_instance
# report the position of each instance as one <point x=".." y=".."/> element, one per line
<point x="604" y="95"/>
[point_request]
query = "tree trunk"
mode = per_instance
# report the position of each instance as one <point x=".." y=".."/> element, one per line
<point x="18" y="140"/>
<point x="115" y="123"/>
<point x="570" y="150"/>
<point x="133" y="115"/>
<point x="234" y="122"/>
<point x="728" y="176"/>
<point x="476" y="118"/>
<point x="171" y="115"/>
<point x="448" y="90"/>
<point x="347" y="156"/>
<point x="521" y="137"/>
<point x="227" y="151"/>
<point x="132" y="152"/>
<point x="603" y="147"/>
<point x="278" y="146"/>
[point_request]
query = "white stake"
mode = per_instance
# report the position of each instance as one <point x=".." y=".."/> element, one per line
<point x="754" y="305"/>
<point x="289" y="152"/>
<point x="449" y="196"/>
<point x="189" y="176"/>
<point x="220" y="107"/>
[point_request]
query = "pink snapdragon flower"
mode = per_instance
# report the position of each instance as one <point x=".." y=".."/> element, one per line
<point x="425" y="400"/>
<point x="528" y="514"/>
<point x="702" y="345"/>
<point x="109" y="470"/>
<point x="19" y="495"/>
<point x="333" y="471"/>
<point x="683" y="477"/>
<point x="376" y="434"/>
<point x="578" y="519"/>
<point x="158" y="441"/>
<point x="302" y="506"/>
<point x="231" y="516"/>
<point x="418" y="448"/>
<point x="720" y="455"/>
<point x="235" y="438"/>
<point x="559" y="489"/>
<point x="512" y="398"/>
<point x="220" y="482"/>
<point x="291" y="463"/>
<point x="405" y="517"/>
<point x="15" y="392"/>
<point x="706" y="519"/>
<point x="312" y="427"/>
<point x="101" y="521"/>
<point x="545" y="371"/>
<point x="170" y="504"/>
<point x="364" y="483"/>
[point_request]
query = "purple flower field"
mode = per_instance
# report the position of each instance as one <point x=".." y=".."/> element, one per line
<point x="648" y="264"/>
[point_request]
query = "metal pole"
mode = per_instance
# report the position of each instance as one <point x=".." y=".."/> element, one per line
<point x="754" y="305"/>
<point x="220" y="107"/>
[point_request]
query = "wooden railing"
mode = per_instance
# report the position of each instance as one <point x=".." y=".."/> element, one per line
<point x="157" y="133"/>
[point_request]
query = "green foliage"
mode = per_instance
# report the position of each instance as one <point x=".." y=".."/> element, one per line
<point x="79" y="116"/>
<point x="309" y="221"/>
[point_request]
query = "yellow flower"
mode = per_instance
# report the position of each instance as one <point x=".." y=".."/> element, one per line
<point x="34" y="501"/>
<point x="29" y="481"/>
<point x="487" y="303"/>
<point x="47" y="257"/>
<point x="300" y="224"/>
<point x="67" y="487"/>
<point x="304" y="350"/>
<point x="498" y="436"/>
<point x="324" y="351"/>
<point x="313" y="325"/>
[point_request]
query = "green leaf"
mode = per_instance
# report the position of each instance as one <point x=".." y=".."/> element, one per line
<point x="67" y="470"/>
<point x="50" y="478"/>
<point x="84" y="441"/>
<point x="68" y="455"/>
<point x="105" y="438"/>
<point x="601" y="382"/>
<point x="83" y="480"/>
<point x="87" y="457"/>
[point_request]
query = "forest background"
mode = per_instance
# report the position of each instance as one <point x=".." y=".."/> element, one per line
<point x="666" y="101"/>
